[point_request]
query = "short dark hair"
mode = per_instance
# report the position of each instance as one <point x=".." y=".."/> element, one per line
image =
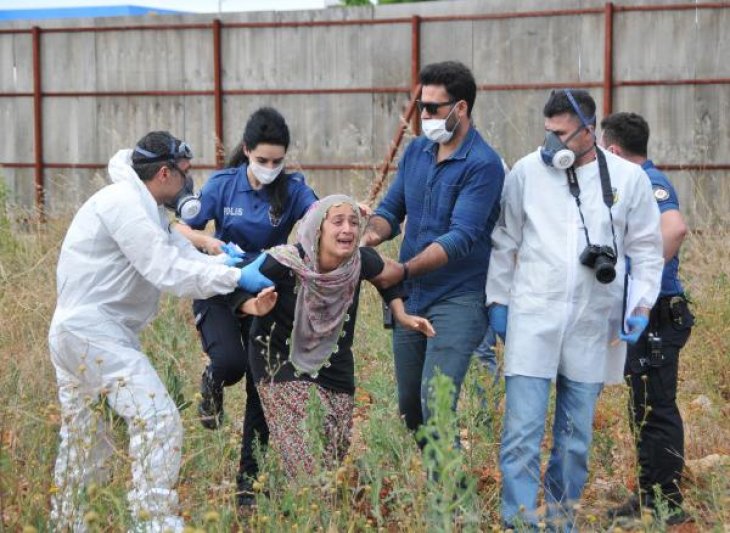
<point x="629" y="130"/>
<point x="558" y="103"/>
<point x="456" y="78"/>
<point x="160" y="143"/>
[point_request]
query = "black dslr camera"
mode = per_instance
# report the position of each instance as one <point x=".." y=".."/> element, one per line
<point x="602" y="259"/>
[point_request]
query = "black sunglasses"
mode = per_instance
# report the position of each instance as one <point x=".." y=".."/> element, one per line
<point x="432" y="107"/>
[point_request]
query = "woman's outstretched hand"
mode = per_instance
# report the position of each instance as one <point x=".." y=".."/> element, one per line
<point x="417" y="323"/>
<point x="262" y="303"/>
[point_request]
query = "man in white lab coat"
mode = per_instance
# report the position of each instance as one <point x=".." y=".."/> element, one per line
<point x="554" y="290"/>
<point x="118" y="254"/>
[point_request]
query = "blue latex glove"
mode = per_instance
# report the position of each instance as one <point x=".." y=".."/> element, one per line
<point x="252" y="280"/>
<point x="637" y="325"/>
<point x="232" y="261"/>
<point x="231" y="250"/>
<point x="498" y="319"/>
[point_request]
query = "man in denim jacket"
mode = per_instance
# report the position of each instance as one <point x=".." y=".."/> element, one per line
<point x="448" y="184"/>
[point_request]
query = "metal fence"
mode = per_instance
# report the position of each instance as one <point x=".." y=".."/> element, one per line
<point x="217" y="95"/>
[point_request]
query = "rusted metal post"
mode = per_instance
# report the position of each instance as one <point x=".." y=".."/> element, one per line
<point x="218" y="94"/>
<point x="385" y="167"/>
<point x="40" y="199"/>
<point x="608" y="60"/>
<point x="415" y="67"/>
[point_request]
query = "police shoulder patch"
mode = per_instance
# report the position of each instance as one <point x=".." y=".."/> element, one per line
<point x="661" y="194"/>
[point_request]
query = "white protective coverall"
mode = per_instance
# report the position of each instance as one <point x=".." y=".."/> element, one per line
<point x="561" y="319"/>
<point x="118" y="254"/>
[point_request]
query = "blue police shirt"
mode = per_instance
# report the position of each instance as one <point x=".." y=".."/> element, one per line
<point x="454" y="203"/>
<point x="243" y="215"/>
<point x="666" y="198"/>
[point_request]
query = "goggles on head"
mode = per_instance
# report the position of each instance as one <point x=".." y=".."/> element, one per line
<point x="181" y="151"/>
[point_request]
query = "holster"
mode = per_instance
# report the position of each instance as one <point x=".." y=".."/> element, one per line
<point x="669" y="318"/>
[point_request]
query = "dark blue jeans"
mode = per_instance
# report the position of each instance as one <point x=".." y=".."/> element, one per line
<point x="225" y="340"/>
<point x="460" y="323"/>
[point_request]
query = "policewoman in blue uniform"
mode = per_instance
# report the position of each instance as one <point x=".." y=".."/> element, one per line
<point x="255" y="204"/>
<point x="652" y="363"/>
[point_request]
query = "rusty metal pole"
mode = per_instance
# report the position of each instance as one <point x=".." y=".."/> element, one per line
<point x="415" y="67"/>
<point x="218" y="94"/>
<point x="40" y="197"/>
<point x="608" y="60"/>
<point x="395" y="143"/>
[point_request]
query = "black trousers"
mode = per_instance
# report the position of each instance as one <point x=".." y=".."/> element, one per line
<point x="651" y="372"/>
<point x="225" y="340"/>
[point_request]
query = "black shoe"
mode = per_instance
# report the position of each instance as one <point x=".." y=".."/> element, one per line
<point x="210" y="407"/>
<point x="677" y="516"/>
<point x="631" y="508"/>
<point x="245" y="495"/>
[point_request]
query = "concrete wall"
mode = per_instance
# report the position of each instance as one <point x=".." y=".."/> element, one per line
<point x="689" y="122"/>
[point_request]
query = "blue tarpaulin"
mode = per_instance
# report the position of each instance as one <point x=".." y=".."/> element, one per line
<point x="83" y="12"/>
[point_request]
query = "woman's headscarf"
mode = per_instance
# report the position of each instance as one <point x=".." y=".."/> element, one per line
<point x="323" y="298"/>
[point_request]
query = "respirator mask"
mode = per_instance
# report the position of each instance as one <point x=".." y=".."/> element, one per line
<point x="554" y="152"/>
<point x="186" y="203"/>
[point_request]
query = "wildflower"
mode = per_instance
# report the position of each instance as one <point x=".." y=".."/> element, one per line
<point x="340" y="475"/>
<point x="91" y="518"/>
<point x="144" y="515"/>
<point x="211" y="517"/>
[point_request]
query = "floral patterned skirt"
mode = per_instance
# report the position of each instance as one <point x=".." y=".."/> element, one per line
<point x="308" y="424"/>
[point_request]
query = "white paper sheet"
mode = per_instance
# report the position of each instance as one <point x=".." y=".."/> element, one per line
<point x="634" y="291"/>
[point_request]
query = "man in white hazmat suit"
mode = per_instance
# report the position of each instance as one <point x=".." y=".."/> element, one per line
<point x="118" y="254"/>
<point x="555" y="291"/>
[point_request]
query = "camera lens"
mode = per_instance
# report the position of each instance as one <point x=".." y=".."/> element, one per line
<point x="605" y="272"/>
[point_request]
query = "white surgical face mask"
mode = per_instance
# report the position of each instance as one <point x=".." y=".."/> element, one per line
<point x="264" y="174"/>
<point x="435" y="128"/>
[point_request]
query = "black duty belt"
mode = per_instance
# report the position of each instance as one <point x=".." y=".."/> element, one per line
<point x="667" y="308"/>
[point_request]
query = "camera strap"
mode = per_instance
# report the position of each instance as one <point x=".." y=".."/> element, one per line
<point x="606" y="190"/>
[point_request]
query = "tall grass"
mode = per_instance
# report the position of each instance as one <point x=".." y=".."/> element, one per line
<point x="382" y="485"/>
